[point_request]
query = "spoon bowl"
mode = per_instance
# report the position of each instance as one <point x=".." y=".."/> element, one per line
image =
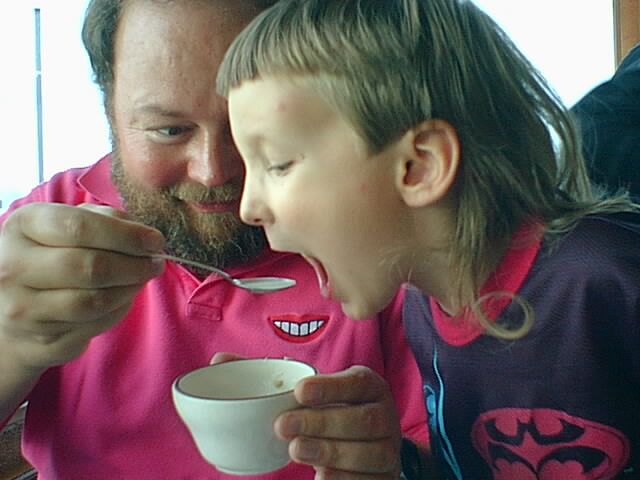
<point x="255" y="285"/>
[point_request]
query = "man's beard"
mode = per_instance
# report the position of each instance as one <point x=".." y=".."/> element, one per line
<point x="217" y="239"/>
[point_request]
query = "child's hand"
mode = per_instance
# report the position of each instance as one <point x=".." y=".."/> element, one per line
<point x="350" y="426"/>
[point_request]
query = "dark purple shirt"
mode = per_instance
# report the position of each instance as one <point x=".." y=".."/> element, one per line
<point x="562" y="403"/>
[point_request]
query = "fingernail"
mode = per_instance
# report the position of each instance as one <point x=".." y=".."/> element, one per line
<point x="306" y="450"/>
<point x="312" y="394"/>
<point x="153" y="242"/>
<point x="290" y="425"/>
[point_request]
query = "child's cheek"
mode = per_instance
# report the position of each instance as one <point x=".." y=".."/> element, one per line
<point x="297" y="215"/>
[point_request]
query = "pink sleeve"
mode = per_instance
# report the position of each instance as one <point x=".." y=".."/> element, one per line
<point x="63" y="187"/>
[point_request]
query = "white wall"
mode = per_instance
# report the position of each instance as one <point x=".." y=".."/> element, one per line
<point x="570" y="41"/>
<point x="575" y="52"/>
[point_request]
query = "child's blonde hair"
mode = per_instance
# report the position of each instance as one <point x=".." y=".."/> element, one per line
<point x="388" y="65"/>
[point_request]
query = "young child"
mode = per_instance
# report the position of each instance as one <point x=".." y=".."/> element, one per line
<point x="409" y="141"/>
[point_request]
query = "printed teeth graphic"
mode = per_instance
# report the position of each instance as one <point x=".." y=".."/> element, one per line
<point x="301" y="329"/>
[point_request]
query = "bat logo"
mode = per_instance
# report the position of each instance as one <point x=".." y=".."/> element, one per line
<point x="547" y="444"/>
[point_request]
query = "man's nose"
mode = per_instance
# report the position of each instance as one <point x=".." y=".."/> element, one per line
<point x="213" y="159"/>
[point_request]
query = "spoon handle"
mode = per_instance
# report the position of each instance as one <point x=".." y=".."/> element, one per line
<point x="193" y="263"/>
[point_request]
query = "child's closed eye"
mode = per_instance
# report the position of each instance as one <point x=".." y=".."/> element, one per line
<point x="280" y="168"/>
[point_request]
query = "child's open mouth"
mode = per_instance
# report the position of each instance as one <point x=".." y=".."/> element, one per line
<point x="321" y="273"/>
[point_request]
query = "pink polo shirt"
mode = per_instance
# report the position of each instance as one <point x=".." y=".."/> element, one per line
<point x="108" y="414"/>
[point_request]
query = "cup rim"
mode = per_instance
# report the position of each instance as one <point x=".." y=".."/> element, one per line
<point x="181" y="391"/>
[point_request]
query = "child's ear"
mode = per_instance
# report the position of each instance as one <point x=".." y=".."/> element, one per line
<point x="430" y="158"/>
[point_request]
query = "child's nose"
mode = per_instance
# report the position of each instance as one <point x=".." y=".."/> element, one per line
<point x="253" y="209"/>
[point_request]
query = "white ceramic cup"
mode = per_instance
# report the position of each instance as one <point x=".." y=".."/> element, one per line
<point x="230" y="407"/>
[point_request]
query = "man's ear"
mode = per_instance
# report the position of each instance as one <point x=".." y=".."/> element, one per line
<point x="430" y="158"/>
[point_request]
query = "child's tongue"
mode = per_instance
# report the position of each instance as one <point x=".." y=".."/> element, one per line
<point x="321" y="273"/>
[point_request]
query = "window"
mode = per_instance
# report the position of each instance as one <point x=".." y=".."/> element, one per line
<point x="570" y="41"/>
<point x="73" y="130"/>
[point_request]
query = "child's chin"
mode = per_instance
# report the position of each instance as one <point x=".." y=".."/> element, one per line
<point x="357" y="311"/>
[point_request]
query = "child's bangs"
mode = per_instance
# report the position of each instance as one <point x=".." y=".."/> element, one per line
<point x="272" y="45"/>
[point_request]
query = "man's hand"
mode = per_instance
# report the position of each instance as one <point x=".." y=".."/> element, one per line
<point x="66" y="275"/>
<point x="349" y="428"/>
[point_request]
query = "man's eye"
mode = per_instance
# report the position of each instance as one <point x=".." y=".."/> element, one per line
<point x="171" y="131"/>
<point x="280" y="168"/>
<point x="172" y="135"/>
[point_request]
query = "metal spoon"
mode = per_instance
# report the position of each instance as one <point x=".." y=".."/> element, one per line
<point x="255" y="285"/>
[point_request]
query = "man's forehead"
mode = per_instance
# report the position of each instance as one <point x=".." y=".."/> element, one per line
<point x="219" y="18"/>
<point x="149" y="29"/>
<point x="256" y="5"/>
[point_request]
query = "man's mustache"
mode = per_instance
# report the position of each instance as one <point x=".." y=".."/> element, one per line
<point x="199" y="194"/>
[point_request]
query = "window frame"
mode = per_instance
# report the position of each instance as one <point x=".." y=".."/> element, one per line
<point x="626" y="15"/>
